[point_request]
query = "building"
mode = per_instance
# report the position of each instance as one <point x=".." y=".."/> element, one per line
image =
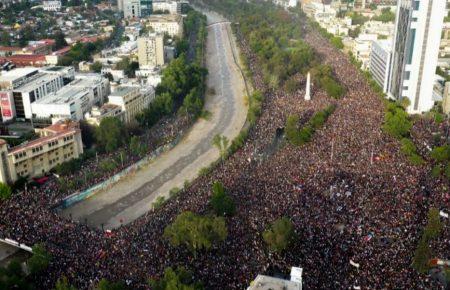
<point x="167" y="23"/>
<point x="286" y="3"/>
<point x="362" y="46"/>
<point x="380" y="57"/>
<point x="107" y="110"/>
<point x="151" y="50"/>
<point x="132" y="100"/>
<point x="36" y="87"/>
<point x="53" y="5"/>
<point x="146" y="8"/>
<point x="263" y="282"/>
<point x="74" y="100"/>
<point x="415" y="52"/>
<point x="172" y="7"/>
<point x="58" y="143"/>
<point x="131" y="8"/>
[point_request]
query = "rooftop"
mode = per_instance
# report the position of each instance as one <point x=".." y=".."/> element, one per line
<point x="37" y="79"/>
<point x="17" y="73"/>
<point x="271" y="283"/>
<point x="65" y="95"/>
<point x="165" y="18"/>
<point x="57" y="130"/>
<point x="123" y="90"/>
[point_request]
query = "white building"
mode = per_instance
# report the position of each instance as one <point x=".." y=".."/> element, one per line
<point x="173" y="7"/>
<point x="131" y="8"/>
<point x="415" y="52"/>
<point x="362" y="47"/>
<point x="74" y="100"/>
<point x="132" y="100"/>
<point x="285" y="3"/>
<point x="380" y="58"/>
<point x="151" y="50"/>
<point x="167" y="23"/>
<point x="53" y="5"/>
<point x="263" y="282"/>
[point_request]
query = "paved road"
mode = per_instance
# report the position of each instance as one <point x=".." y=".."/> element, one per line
<point x="133" y="196"/>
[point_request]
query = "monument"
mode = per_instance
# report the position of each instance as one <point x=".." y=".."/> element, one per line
<point x="308" y="87"/>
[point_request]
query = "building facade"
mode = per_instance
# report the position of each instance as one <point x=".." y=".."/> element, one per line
<point x="51" y="5"/>
<point x="151" y="51"/>
<point x="415" y="52"/>
<point x="167" y="23"/>
<point x="58" y="143"/>
<point x="132" y="99"/>
<point x="380" y="58"/>
<point x="131" y="8"/>
<point x="74" y="100"/>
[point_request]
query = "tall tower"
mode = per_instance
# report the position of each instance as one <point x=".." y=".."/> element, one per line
<point x="415" y="52"/>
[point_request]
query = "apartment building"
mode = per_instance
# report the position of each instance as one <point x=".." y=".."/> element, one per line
<point x="380" y="58"/>
<point x="173" y="7"/>
<point x="131" y="8"/>
<point x="151" y="50"/>
<point x="415" y="52"/>
<point x="132" y="99"/>
<point x="58" y="143"/>
<point x="53" y="5"/>
<point x="171" y="24"/>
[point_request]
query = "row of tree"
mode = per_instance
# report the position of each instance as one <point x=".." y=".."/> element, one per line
<point x="299" y="136"/>
<point x="181" y="89"/>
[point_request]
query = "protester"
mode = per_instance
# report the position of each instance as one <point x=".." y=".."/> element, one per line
<point x="358" y="205"/>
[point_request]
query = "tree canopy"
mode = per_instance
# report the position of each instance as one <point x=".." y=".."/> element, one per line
<point x="110" y="134"/>
<point x="40" y="259"/>
<point x="5" y="191"/>
<point x="179" y="279"/>
<point x="221" y="202"/>
<point x="195" y="231"/>
<point x="279" y="235"/>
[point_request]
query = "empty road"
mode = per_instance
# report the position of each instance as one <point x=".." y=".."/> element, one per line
<point x="134" y="195"/>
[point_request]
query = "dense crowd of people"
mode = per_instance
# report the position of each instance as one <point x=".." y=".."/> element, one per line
<point x="358" y="205"/>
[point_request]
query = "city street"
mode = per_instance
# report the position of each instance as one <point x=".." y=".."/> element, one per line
<point x="134" y="195"/>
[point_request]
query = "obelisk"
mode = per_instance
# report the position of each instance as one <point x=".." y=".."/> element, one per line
<point x="308" y="87"/>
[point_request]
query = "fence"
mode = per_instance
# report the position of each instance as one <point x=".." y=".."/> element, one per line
<point x="16" y="244"/>
<point x="80" y="196"/>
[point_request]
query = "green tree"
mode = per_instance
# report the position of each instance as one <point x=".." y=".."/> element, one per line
<point x="179" y="279"/>
<point x="136" y="147"/>
<point x="195" y="231"/>
<point x="13" y="277"/>
<point x="279" y="235"/>
<point x="441" y="153"/>
<point x="104" y="284"/>
<point x="60" y="40"/>
<point x="40" y="259"/>
<point x="421" y="257"/>
<point x="221" y="202"/>
<point x="97" y="67"/>
<point x="5" y="38"/>
<point x="434" y="225"/>
<point x="63" y="284"/>
<point x="110" y="134"/>
<point x="221" y="143"/>
<point x="336" y="41"/>
<point x="397" y="122"/>
<point x="292" y="131"/>
<point x="5" y="191"/>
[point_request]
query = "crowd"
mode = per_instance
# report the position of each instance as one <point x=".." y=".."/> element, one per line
<point x="357" y="204"/>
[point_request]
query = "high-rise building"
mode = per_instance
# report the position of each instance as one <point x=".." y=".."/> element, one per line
<point x="415" y="52"/>
<point x="131" y="8"/>
<point x="151" y="50"/>
<point x="146" y="8"/>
